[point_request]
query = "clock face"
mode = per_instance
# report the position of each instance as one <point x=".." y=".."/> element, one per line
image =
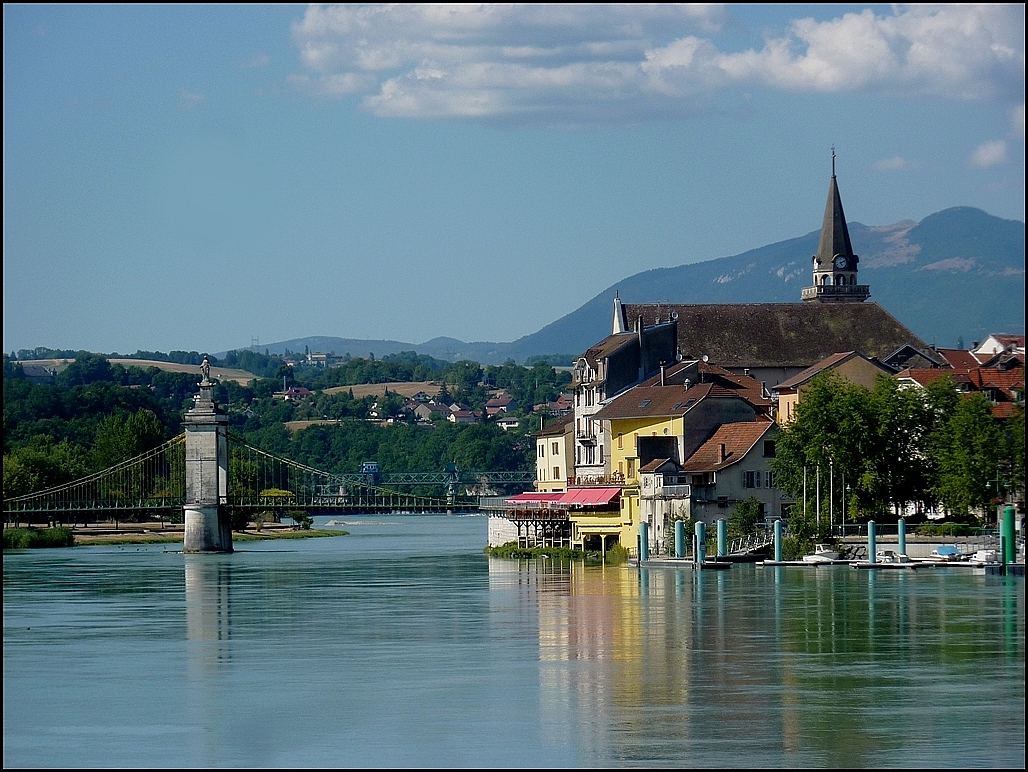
<point x="841" y="262"/>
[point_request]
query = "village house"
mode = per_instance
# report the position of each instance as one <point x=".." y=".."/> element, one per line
<point x="501" y="403"/>
<point x="1004" y="388"/>
<point x="554" y="458"/>
<point x="658" y="426"/>
<point x="851" y="366"/>
<point x="615" y="364"/>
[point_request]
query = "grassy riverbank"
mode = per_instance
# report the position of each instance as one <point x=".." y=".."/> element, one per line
<point x="615" y="555"/>
<point x="31" y="538"/>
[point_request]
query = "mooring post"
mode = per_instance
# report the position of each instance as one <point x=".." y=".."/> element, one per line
<point x="644" y="542"/>
<point x="872" y="555"/>
<point x="679" y="539"/>
<point x="1008" y="544"/>
<point x="700" y="555"/>
<point x="208" y="527"/>
<point x="778" y="541"/>
<point x="722" y="538"/>
<point x="901" y="535"/>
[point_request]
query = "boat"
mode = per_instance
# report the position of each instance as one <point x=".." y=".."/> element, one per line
<point x="823" y="553"/>
<point x="947" y="552"/>
<point x="985" y="556"/>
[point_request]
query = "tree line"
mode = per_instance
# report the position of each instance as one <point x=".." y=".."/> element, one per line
<point x="97" y="414"/>
<point x="898" y="449"/>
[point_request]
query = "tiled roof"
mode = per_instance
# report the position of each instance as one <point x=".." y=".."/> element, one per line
<point x="656" y="464"/>
<point x="810" y="372"/>
<point x="779" y="334"/>
<point x="649" y="401"/>
<point x="958" y="357"/>
<point x="556" y="428"/>
<point x="738" y="439"/>
<point x="608" y="346"/>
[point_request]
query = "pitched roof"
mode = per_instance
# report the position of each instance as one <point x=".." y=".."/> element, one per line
<point x="652" y="401"/>
<point x="738" y="439"/>
<point x="826" y="364"/>
<point x="607" y="346"/>
<point x="835" y="236"/>
<point x="556" y="428"/>
<point x="779" y="334"/>
<point x="957" y="357"/>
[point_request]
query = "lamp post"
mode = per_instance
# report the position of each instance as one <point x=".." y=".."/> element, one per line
<point x="831" y="493"/>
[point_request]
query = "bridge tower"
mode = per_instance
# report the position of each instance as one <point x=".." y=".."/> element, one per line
<point x="208" y="524"/>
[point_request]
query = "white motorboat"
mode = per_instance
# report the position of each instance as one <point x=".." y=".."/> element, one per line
<point x="823" y="553"/>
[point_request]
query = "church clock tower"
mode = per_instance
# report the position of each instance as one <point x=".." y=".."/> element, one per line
<point x="835" y="265"/>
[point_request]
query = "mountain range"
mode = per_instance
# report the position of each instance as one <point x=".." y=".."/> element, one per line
<point x="952" y="279"/>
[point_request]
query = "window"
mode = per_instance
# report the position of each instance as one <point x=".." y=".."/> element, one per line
<point x="556" y="449"/>
<point x="751" y="479"/>
<point x="769" y="479"/>
<point x="556" y="473"/>
<point x="631" y="467"/>
<point x="621" y="441"/>
<point x="769" y="448"/>
<point x="542" y="450"/>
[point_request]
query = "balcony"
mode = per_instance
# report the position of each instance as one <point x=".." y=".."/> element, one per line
<point x="837" y="292"/>
<point x="674" y="492"/>
<point x="584" y="438"/>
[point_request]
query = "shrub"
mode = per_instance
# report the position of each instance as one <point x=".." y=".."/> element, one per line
<point x="29" y="538"/>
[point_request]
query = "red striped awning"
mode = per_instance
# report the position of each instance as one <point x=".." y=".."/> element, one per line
<point x="590" y="497"/>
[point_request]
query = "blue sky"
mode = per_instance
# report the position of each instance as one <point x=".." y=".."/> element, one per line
<point x="193" y="177"/>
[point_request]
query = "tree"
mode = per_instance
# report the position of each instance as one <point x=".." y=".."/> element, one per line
<point x="966" y="449"/>
<point x="744" y="517"/>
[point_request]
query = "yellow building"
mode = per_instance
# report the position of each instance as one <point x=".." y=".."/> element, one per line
<point x="555" y="455"/>
<point x="668" y="418"/>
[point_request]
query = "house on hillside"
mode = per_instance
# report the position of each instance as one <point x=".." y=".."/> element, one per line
<point x="501" y="403"/>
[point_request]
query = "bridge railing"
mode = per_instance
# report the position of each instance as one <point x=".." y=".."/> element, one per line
<point x="152" y="480"/>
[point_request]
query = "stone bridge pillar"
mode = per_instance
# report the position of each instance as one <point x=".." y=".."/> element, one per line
<point x="208" y="525"/>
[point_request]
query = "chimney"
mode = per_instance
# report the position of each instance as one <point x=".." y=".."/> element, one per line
<point x="724" y="451"/>
<point x="661" y="373"/>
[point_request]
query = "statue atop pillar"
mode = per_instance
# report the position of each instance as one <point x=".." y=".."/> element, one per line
<point x="208" y="525"/>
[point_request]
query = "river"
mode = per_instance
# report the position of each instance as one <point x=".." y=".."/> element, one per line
<point x="402" y="644"/>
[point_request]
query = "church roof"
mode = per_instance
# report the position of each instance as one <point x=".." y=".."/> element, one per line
<point x="835" y="236"/>
<point x="779" y="334"/>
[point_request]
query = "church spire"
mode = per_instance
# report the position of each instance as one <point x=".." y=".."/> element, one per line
<point x="835" y="264"/>
<point x="835" y="235"/>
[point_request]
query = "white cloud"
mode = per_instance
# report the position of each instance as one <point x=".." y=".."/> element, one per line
<point x="1017" y="122"/>
<point x="989" y="154"/>
<point x="255" y="62"/>
<point x="594" y="63"/>
<point x="188" y="100"/>
<point x="895" y="164"/>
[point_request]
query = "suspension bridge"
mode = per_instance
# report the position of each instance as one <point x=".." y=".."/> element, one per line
<point x="153" y="485"/>
<point x="208" y="475"/>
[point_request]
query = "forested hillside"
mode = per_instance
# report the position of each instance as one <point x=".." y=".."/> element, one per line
<point x="97" y="414"/>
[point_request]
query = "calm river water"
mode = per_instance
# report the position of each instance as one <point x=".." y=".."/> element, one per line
<point x="404" y="645"/>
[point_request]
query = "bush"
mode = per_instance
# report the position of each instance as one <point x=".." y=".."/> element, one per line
<point x="29" y="538"/>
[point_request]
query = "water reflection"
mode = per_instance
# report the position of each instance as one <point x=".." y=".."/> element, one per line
<point x="794" y="666"/>
<point x="208" y="606"/>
